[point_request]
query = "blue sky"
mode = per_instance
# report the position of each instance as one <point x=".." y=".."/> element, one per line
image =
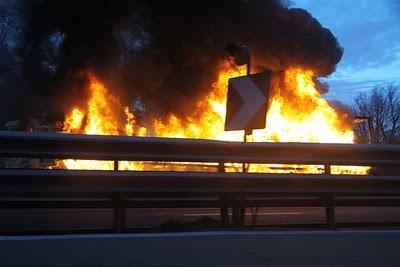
<point x="369" y="32"/>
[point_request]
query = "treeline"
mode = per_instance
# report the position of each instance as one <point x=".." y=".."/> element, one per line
<point x="381" y="106"/>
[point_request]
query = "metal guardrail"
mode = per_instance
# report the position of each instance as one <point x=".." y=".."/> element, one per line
<point x="24" y="188"/>
<point x="72" y="146"/>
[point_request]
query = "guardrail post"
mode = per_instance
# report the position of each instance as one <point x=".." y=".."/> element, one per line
<point x="224" y="210"/>
<point x="221" y="167"/>
<point x="238" y="211"/>
<point x="235" y="215"/>
<point x="254" y="211"/>
<point x="242" y="211"/>
<point x="224" y="216"/>
<point x="327" y="169"/>
<point x="119" y="214"/>
<point x="116" y="165"/>
<point x="330" y="212"/>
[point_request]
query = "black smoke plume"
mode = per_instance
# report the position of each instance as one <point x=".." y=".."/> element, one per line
<point x="165" y="52"/>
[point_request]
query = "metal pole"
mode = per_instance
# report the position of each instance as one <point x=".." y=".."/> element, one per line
<point x="327" y="169"/>
<point x="330" y="212"/>
<point x="224" y="209"/>
<point x="240" y="213"/>
<point x="249" y="66"/>
<point x="119" y="215"/>
<point x="235" y="215"/>
<point x="246" y="131"/>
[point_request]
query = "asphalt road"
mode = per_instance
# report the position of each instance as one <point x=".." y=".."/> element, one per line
<point x="254" y="248"/>
<point x="74" y="219"/>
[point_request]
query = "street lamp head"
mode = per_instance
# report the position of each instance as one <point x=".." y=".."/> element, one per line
<point x="240" y="54"/>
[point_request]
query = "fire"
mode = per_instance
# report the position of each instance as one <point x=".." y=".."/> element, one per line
<point x="208" y="117"/>
<point x="297" y="113"/>
<point x="102" y="116"/>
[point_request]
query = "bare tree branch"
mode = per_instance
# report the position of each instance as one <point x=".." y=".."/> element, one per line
<point x="382" y="104"/>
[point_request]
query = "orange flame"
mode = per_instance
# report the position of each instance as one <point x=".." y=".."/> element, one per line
<point x="297" y="113"/>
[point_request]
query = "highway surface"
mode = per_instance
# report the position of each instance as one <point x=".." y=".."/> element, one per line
<point x="353" y="248"/>
<point x="92" y="219"/>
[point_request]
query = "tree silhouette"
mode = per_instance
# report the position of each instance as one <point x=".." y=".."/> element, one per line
<point x="382" y="105"/>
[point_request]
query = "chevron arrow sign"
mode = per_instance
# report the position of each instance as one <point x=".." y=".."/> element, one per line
<point x="247" y="103"/>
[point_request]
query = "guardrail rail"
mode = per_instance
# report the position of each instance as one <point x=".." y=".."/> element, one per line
<point x="119" y="190"/>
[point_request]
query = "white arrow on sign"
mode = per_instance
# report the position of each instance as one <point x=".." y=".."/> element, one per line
<point x="253" y="100"/>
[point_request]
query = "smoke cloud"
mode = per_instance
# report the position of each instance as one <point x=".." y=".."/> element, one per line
<point x="165" y="52"/>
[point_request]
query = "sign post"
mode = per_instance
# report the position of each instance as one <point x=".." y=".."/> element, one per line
<point x="247" y="131"/>
<point x="246" y="110"/>
<point x="247" y="104"/>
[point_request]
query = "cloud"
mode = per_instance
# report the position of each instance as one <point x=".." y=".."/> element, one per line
<point x="369" y="31"/>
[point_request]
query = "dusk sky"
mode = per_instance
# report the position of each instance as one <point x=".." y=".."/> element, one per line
<point x="369" y="32"/>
